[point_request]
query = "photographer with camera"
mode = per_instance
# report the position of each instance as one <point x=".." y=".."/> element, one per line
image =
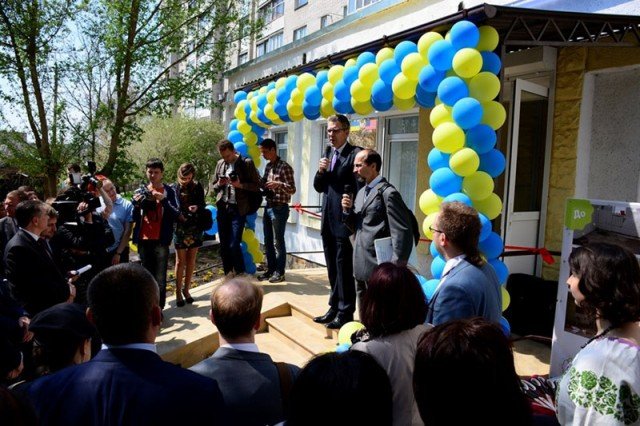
<point x="278" y="185"/>
<point x="155" y="210"/>
<point x="236" y="177"/>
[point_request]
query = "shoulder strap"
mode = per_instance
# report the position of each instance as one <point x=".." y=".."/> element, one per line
<point x="286" y="382"/>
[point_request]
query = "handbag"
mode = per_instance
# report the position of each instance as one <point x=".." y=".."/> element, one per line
<point x="204" y="220"/>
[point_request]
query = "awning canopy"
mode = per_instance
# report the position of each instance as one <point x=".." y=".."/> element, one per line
<point x="518" y="28"/>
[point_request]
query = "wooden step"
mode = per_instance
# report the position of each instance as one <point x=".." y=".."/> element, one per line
<point x="281" y="350"/>
<point x="298" y="332"/>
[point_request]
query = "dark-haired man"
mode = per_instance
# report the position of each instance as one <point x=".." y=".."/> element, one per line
<point x="469" y="286"/>
<point x="279" y="186"/>
<point x="249" y="380"/>
<point x="8" y="223"/>
<point x="127" y="383"/>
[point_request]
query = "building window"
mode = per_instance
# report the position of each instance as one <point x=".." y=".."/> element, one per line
<point x="355" y="5"/>
<point x="282" y="143"/>
<point x="300" y="3"/>
<point x="270" y="44"/>
<point x="402" y="153"/>
<point x="272" y="11"/>
<point x="243" y="58"/>
<point x="299" y="33"/>
<point x="324" y="21"/>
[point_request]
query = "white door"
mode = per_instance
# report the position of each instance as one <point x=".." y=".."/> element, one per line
<point x="526" y="173"/>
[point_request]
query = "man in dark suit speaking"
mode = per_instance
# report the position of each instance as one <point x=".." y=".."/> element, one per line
<point x="378" y="212"/>
<point x="127" y="383"/>
<point x="334" y="178"/>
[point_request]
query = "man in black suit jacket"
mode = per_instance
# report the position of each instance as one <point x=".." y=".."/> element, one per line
<point x="249" y="380"/>
<point x="127" y="383"/>
<point x="36" y="281"/>
<point x="8" y="224"/>
<point x="334" y="177"/>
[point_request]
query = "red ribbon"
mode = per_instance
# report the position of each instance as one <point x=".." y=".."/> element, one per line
<point x="543" y="252"/>
<point x="298" y="207"/>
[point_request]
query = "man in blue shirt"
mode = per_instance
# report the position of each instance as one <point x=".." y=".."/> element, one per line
<point x="121" y="221"/>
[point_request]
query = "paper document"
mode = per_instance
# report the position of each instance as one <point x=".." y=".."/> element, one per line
<point x="384" y="249"/>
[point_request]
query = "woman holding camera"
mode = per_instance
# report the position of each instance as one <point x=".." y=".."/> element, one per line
<point x="188" y="236"/>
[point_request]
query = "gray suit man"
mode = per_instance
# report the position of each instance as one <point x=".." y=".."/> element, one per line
<point x="249" y="380"/>
<point x="378" y="212"/>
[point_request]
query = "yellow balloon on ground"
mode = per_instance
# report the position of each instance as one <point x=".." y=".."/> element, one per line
<point x="493" y="114"/>
<point x="335" y="74"/>
<point x="467" y="62"/>
<point x="448" y="138"/>
<point x="491" y="206"/>
<point x="478" y="185"/>
<point x="429" y="202"/>
<point x="412" y="64"/>
<point x="368" y="74"/>
<point x="404" y="104"/>
<point x="304" y="81"/>
<point x="327" y="91"/>
<point x="506" y="299"/>
<point x="248" y="234"/>
<point x="383" y="54"/>
<point x="464" y="162"/>
<point x="326" y="108"/>
<point x="484" y="87"/>
<point x="402" y="87"/>
<point x="428" y="222"/>
<point x="360" y="92"/>
<point x="350" y="63"/>
<point x="440" y="114"/>
<point x="297" y="96"/>
<point x="426" y="41"/>
<point x="489" y="38"/>
<point x="344" y="335"/>
<point x="362" y="108"/>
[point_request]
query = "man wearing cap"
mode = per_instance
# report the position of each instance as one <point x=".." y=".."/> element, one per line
<point x="279" y="185"/>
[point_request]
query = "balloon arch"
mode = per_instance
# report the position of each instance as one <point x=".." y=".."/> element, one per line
<point x="455" y="76"/>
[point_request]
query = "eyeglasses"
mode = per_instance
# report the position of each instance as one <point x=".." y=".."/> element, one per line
<point x="330" y="131"/>
<point x="432" y="229"/>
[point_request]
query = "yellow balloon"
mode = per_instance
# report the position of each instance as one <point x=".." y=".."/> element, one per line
<point x="254" y="117"/>
<point x="362" y="108"/>
<point x="404" y="104"/>
<point x="489" y="38"/>
<point x="384" y="54"/>
<point x="263" y="90"/>
<point x="344" y="335"/>
<point x="493" y="114"/>
<point x="491" y="206"/>
<point x="350" y="63"/>
<point x="296" y="117"/>
<point x="402" y="87"/>
<point x="327" y="91"/>
<point x="440" y="114"/>
<point x="254" y="104"/>
<point x="248" y="235"/>
<point x="427" y="223"/>
<point x="464" y="162"/>
<point x="294" y="109"/>
<point x="269" y="112"/>
<point x="280" y="82"/>
<point x="271" y="96"/>
<point x="426" y="41"/>
<point x="335" y="74"/>
<point x="259" y="257"/>
<point x="484" y="87"/>
<point x="240" y="113"/>
<point x="448" y="137"/>
<point x="251" y="138"/>
<point x="326" y="108"/>
<point x="251" y="95"/>
<point x="412" y="64"/>
<point x="429" y="202"/>
<point x="467" y="62"/>
<point x="243" y="127"/>
<point x="297" y="96"/>
<point x="305" y="81"/>
<point x="368" y="74"/>
<point x="506" y="299"/>
<point x="360" y="92"/>
<point x="478" y="185"/>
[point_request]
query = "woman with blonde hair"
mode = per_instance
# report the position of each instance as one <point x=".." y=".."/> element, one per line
<point x="188" y="236"/>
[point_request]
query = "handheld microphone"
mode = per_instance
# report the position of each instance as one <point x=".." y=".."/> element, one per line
<point x="348" y="192"/>
<point x="327" y="151"/>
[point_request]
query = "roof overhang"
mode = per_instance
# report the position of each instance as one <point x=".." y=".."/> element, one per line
<point x="519" y="29"/>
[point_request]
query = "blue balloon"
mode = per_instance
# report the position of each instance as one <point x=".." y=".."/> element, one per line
<point x="313" y="96"/>
<point x="311" y="112"/>
<point x="388" y="70"/>
<point x="492" y="246"/>
<point x="213" y="210"/>
<point x="437" y="266"/>
<point x="291" y="82"/>
<point x="342" y="107"/>
<point x="403" y="49"/>
<point x="365" y="58"/>
<point x="451" y="90"/>
<point x="425" y="99"/>
<point x="441" y="55"/>
<point x="485" y="229"/>
<point x="444" y="182"/>
<point x="429" y="288"/>
<point x="243" y="247"/>
<point x="501" y="270"/>
<point x="481" y="138"/>
<point x="429" y="78"/>
<point x="433" y="250"/>
<point x="437" y="159"/>
<point x="505" y="326"/>
<point x="263" y="117"/>
<point x="271" y="85"/>
<point x="350" y="75"/>
<point x="459" y="197"/>
<point x="464" y="34"/>
<point x="241" y="148"/>
<point x="233" y="125"/>
<point x="467" y="113"/>
<point x="214" y="226"/>
<point x="341" y="92"/>
<point x="283" y="95"/>
<point x="493" y="162"/>
<point x="490" y="62"/>
<point x="381" y="106"/>
<point x="343" y="347"/>
<point x="240" y="95"/>
<point x="235" y="136"/>
<point x="249" y="265"/>
<point x="250" y="221"/>
<point x="321" y="78"/>
<point x="381" y="92"/>
<point x="279" y="108"/>
<point x="247" y="110"/>
<point x="262" y="101"/>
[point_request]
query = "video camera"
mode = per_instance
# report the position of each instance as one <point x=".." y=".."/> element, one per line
<point x="148" y="201"/>
<point x="82" y="190"/>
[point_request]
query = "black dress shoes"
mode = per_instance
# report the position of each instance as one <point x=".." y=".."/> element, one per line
<point x="340" y="320"/>
<point x="326" y="318"/>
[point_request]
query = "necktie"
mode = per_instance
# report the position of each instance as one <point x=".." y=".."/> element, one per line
<point x="334" y="159"/>
<point x="367" y="190"/>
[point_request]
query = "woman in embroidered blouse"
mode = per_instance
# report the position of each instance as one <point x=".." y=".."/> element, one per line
<point x="602" y="385"/>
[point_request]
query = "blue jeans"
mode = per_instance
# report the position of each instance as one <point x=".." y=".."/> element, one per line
<point x="155" y="259"/>
<point x="230" y="228"/>
<point x="274" y="224"/>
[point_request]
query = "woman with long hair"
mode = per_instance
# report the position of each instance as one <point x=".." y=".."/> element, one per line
<point x="188" y="235"/>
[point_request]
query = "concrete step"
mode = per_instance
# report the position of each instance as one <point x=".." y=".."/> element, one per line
<point x="298" y="332"/>
<point x="282" y="350"/>
<point x="306" y="317"/>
